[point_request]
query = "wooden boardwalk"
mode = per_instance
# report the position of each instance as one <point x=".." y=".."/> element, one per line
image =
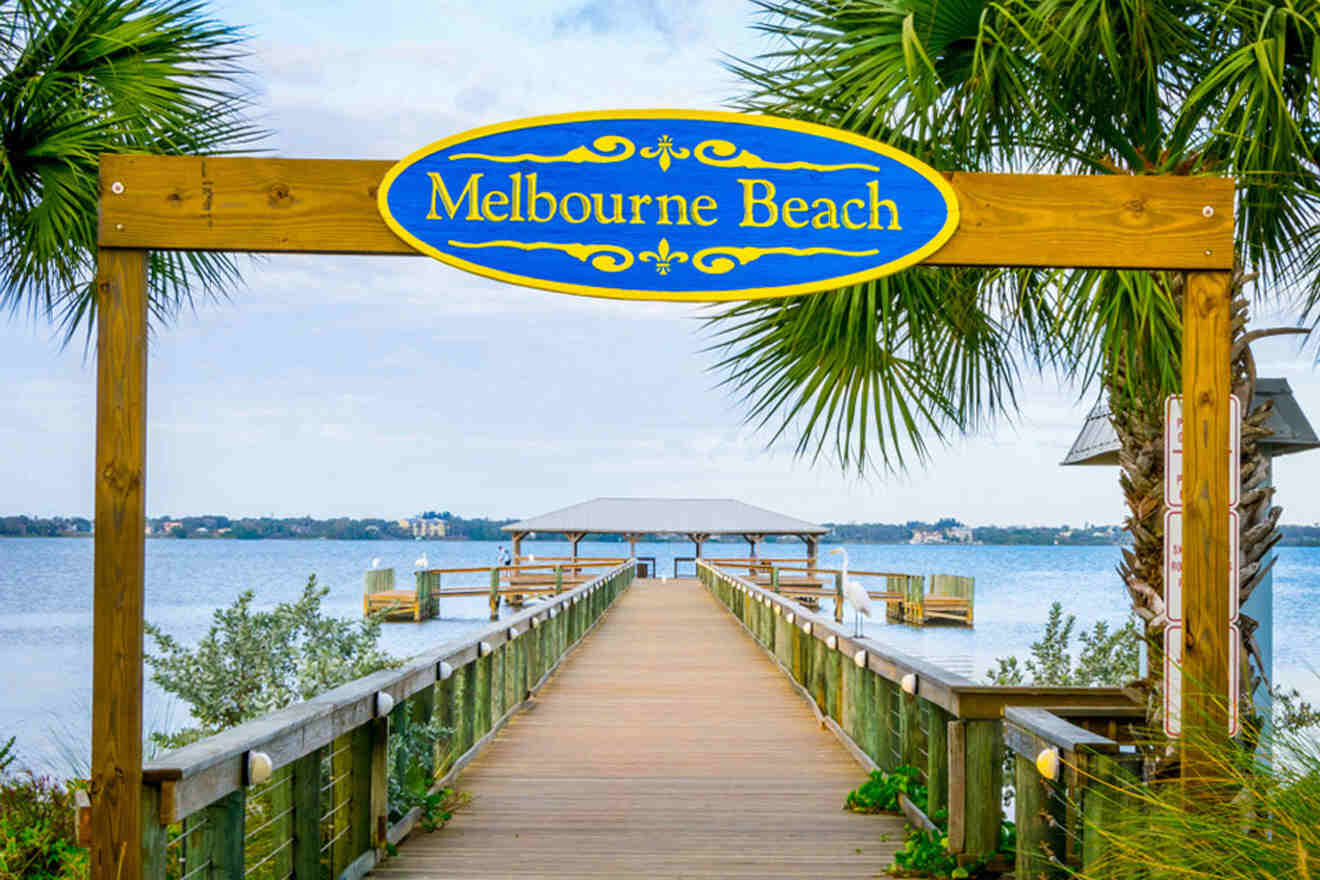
<point x="668" y="745"/>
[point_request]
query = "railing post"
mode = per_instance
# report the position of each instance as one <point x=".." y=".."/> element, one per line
<point x="937" y="758"/>
<point x="219" y="838"/>
<point x="154" y="835"/>
<point x="909" y="730"/>
<point x="1041" y="819"/>
<point x="360" y="784"/>
<point x="1102" y="804"/>
<point x="501" y="675"/>
<point x="305" y="788"/>
<point x="984" y="785"/>
<point x="838" y="597"/>
<point x="494" y="594"/>
<point x="379" y="811"/>
<point x="774" y="579"/>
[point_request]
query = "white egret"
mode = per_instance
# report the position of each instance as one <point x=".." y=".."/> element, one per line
<point x="421" y="562"/>
<point x="854" y="593"/>
<point x="375" y="563"/>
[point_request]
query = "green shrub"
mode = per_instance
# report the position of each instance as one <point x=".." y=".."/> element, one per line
<point x="37" y="832"/>
<point x="253" y="662"/>
<point x="879" y="793"/>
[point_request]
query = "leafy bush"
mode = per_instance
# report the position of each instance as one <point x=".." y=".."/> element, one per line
<point x="37" y="833"/>
<point x="253" y="662"/>
<point x="1106" y="659"/>
<point x="879" y="793"/>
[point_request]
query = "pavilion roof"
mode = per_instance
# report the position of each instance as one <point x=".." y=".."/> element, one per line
<point x="1098" y="444"/>
<point x="681" y="516"/>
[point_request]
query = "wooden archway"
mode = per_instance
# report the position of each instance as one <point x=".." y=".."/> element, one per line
<point x="329" y="207"/>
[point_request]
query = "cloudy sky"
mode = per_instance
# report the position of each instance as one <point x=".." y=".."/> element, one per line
<point x="357" y="386"/>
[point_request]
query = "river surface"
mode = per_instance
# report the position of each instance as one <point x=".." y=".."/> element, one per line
<point x="46" y="609"/>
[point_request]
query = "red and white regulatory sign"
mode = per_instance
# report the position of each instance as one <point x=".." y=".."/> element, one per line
<point x="1173" y="564"/>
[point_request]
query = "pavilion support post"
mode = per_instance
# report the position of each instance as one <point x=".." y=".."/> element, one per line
<point x="752" y="541"/>
<point x="517" y="545"/>
<point x="1206" y="386"/>
<point x="698" y="539"/>
<point x="813" y="551"/>
<point x="119" y="564"/>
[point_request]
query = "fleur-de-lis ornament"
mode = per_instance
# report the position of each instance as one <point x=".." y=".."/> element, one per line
<point x="663" y="256"/>
<point x="666" y="150"/>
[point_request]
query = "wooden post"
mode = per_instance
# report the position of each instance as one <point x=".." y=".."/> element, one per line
<point x="909" y="730"/>
<point x="957" y="732"/>
<point x="838" y="597"/>
<point x="517" y="545"/>
<point x="559" y="579"/>
<point x="119" y="564"/>
<point x="984" y="786"/>
<point x="379" y="813"/>
<point x="1102" y="804"/>
<point x="937" y="759"/>
<point x="306" y="790"/>
<point x="361" y="785"/>
<point x="774" y="579"/>
<point x="494" y="594"/>
<point x="1206" y="386"/>
<point x="222" y="828"/>
<point x="1041" y="821"/>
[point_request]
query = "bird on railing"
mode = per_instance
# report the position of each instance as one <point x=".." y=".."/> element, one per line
<point x="854" y="593"/>
<point x="375" y="563"/>
<point x="421" y="562"/>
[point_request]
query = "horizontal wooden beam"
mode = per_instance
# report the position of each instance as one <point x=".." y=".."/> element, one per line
<point x="328" y="206"/>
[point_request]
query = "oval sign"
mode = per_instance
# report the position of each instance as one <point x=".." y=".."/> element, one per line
<point x="669" y="205"/>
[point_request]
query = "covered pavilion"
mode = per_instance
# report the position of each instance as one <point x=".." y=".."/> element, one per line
<point x="700" y="519"/>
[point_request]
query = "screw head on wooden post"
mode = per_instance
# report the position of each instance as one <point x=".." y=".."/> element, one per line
<point x="259" y="768"/>
<point x="909" y="683"/>
<point x="1047" y="763"/>
<point x="384" y="703"/>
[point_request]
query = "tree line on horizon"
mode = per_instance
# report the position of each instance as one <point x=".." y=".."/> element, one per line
<point x="484" y="529"/>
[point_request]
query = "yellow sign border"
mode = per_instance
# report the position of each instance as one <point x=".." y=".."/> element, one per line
<point x="811" y="128"/>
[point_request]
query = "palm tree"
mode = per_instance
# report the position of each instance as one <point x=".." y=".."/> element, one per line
<point x="83" y="77"/>
<point x="872" y="372"/>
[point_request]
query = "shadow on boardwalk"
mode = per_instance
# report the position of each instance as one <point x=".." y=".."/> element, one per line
<point x="667" y="746"/>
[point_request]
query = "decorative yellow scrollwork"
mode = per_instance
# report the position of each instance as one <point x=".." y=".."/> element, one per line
<point x="724" y="154"/>
<point x="663" y="256"/>
<point x="603" y="257"/>
<point x="611" y="147"/>
<point x="719" y="260"/>
<point x="666" y="151"/>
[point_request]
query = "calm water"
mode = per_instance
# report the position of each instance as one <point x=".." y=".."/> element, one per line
<point x="46" y="587"/>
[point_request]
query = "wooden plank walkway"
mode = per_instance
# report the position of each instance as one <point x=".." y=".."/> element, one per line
<point x="668" y="745"/>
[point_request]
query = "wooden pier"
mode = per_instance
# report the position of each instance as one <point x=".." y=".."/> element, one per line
<point x="701" y="727"/>
<point x="666" y="746"/>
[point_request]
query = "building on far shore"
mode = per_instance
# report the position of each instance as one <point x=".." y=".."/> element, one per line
<point x="427" y="528"/>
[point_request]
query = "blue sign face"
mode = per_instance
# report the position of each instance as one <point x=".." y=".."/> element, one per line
<point x="669" y="205"/>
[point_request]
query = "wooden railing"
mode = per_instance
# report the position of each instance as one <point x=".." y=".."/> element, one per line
<point x="1069" y="783"/>
<point x="890" y="709"/>
<point x="497" y="584"/>
<point x="304" y="793"/>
